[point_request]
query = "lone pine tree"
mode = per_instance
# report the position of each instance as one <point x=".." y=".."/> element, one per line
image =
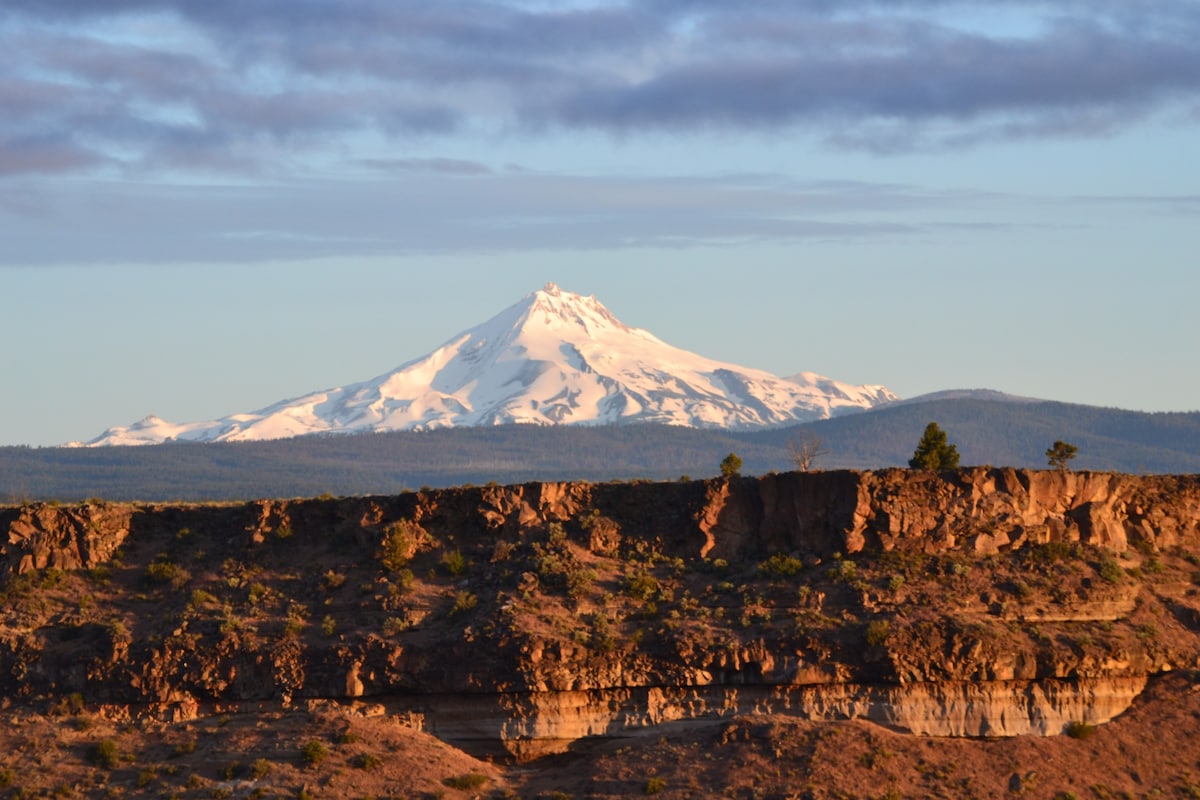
<point x="933" y="451"/>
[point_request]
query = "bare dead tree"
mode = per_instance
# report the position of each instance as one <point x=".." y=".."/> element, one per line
<point x="805" y="450"/>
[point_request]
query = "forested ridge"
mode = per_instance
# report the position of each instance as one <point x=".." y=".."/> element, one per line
<point x="992" y="432"/>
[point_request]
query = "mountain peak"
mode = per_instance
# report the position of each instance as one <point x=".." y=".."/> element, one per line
<point x="553" y="358"/>
<point x="553" y="308"/>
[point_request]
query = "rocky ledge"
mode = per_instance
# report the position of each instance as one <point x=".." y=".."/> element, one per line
<point x="520" y="619"/>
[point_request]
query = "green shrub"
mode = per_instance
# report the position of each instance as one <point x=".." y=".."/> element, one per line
<point x="781" y="565"/>
<point x="876" y="632"/>
<point x="463" y="602"/>
<point x="260" y="768"/>
<point x="368" y="761"/>
<point x="201" y="598"/>
<point x="580" y="581"/>
<point x="163" y="571"/>
<point x="1080" y="730"/>
<point x="843" y="571"/>
<point x="313" y="753"/>
<point x="404" y="580"/>
<point x="641" y="586"/>
<point x="328" y="625"/>
<point x="454" y="562"/>
<point x="472" y="780"/>
<point x="731" y="465"/>
<point x="256" y="593"/>
<point x="400" y="544"/>
<point x="1110" y="570"/>
<point x="654" y="786"/>
<point x="105" y="754"/>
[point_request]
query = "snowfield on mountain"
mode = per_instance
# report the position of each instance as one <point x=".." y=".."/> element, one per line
<point x="554" y="358"/>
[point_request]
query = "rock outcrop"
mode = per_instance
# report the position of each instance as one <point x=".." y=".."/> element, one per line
<point x="979" y="602"/>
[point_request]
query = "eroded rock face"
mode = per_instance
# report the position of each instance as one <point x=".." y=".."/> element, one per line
<point x="980" y="510"/>
<point x="43" y="536"/>
<point x="485" y="676"/>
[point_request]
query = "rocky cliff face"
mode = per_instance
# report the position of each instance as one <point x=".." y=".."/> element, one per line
<point x="982" y="602"/>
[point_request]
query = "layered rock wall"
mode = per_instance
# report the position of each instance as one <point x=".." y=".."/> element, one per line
<point x="539" y="681"/>
<point x="979" y="510"/>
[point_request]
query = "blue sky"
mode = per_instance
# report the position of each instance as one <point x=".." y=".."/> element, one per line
<point x="208" y="207"/>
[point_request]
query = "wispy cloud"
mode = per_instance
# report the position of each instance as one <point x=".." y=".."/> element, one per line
<point x="457" y="207"/>
<point x="149" y="84"/>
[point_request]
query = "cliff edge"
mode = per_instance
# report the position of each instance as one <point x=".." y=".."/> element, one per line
<point x="518" y="620"/>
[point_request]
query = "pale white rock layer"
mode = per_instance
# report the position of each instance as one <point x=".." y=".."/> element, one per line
<point x="554" y="358"/>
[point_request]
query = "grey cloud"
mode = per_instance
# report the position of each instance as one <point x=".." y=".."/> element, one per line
<point x="444" y="166"/>
<point x="268" y="81"/>
<point x="26" y="156"/>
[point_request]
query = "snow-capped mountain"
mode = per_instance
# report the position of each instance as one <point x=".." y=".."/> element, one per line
<point x="554" y="358"/>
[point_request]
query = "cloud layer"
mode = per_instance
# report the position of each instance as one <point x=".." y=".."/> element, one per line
<point x="245" y="85"/>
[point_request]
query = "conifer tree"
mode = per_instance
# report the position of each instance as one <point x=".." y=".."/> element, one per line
<point x="1060" y="453"/>
<point x="933" y="451"/>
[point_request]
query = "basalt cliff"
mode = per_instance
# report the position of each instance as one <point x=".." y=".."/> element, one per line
<point x="512" y="622"/>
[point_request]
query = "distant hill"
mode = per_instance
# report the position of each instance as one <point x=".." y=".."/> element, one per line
<point x="1009" y="432"/>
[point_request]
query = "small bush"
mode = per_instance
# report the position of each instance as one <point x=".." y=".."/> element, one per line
<point x="201" y="598"/>
<point x="1080" y="730"/>
<point x="781" y="565"/>
<point x="162" y="571"/>
<point x="328" y="625"/>
<point x="876" y="632"/>
<point x="313" y="753"/>
<point x="1111" y="571"/>
<point x="731" y="465"/>
<point x="463" y="602"/>
<point x="454" y="562"/>
<point x="843" y="571"/>
<point x="400" y="544"/>
<point x="654" y="786"/>
<point x="641" y="586"/>
<point x="472" y="780"/>
<point x="105" y="754"/>
<point x="256" y="593"/>
<point x="260" y="768"/>
<point x="6" y="778"/>
<point x="404" y="580"/>
<point x="368" y="761"/>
